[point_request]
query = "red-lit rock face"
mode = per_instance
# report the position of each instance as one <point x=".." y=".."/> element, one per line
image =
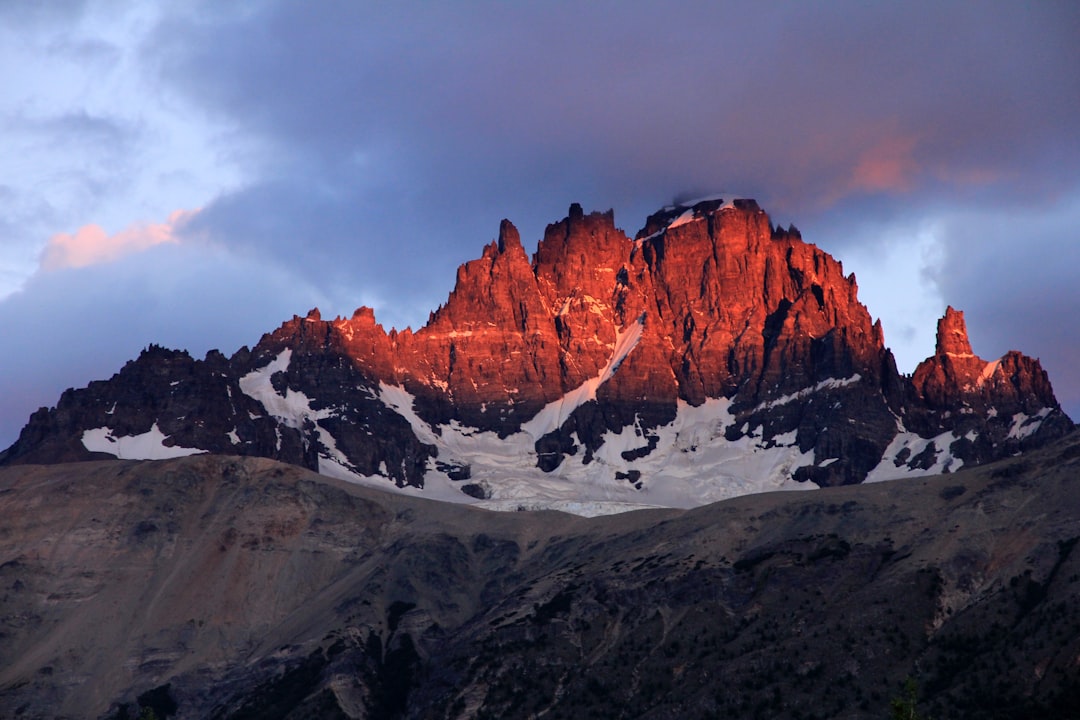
<point x="729" y="307"/>
<point x="956" y="378"/>
<point x="708" y="301"/>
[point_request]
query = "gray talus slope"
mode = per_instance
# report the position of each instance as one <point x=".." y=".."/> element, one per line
<point x="256" y="589"/>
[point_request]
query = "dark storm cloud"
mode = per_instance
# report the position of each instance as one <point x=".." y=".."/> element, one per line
<point x="455" y="115"/>
<point x="377" y="145"/>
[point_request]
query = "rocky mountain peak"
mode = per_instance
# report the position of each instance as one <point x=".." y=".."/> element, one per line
<point x="952" y="337"/>
<point x="712" y="355"/>
<point x="509" y="237"/>
<point x="579" y="255"/>
<point x="1004" y="403"/>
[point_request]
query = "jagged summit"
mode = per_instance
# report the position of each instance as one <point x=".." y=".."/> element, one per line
<point x="952" y="337"/>
<point x="710" y="355"/>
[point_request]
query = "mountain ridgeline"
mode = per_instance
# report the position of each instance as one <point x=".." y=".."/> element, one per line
<point x="712" y="347"/>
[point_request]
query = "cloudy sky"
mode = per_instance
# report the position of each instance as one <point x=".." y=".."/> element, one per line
<point x="192" y="174"/>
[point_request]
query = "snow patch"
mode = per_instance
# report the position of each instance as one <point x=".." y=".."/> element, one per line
<point x="692" y="464"/>
<point x="150" y="445"/>
<point x="293" y="409"/>
<point x="686" y="217"/>
<point x="1024" y="425"/>
<point x="555" y="413"/>
<point x="827" y="384"/>
<point x="987" y="372"/>
<point x="785" y="439"/>
<point x="944" y="460"/>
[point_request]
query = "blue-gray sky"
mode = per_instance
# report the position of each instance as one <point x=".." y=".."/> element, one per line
<point x="192" y="174"/>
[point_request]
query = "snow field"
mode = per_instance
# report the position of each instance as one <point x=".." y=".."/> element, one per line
<point x="692" y="464"/>
<point x="150" y="445"/>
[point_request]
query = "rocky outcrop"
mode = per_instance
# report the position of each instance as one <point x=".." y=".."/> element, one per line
<point x="490" y="356"/>
<point x="1004" y="406"/>
<point x="165" y="404"/>
<point x="956" y="378"/>
<point x="331" y="395"/>
<point x="194" y="404"/>
<point x="596" y="336"/>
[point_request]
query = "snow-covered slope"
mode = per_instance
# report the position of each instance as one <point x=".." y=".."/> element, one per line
<point x="685" y="463"/>
<point x="691" y="464"/>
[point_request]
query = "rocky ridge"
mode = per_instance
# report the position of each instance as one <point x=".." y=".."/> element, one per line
<point x="713" y="352"/>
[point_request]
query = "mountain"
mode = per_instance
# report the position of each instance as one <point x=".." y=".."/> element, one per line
<point x="710" y="356"/>
<point x="230" y="587"/>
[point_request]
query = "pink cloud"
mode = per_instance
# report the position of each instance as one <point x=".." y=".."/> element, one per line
<point x="91" y="245"/>
<point x="888" y="166"/>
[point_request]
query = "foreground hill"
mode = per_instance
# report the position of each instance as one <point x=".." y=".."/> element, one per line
<point x="227" y="587"/>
